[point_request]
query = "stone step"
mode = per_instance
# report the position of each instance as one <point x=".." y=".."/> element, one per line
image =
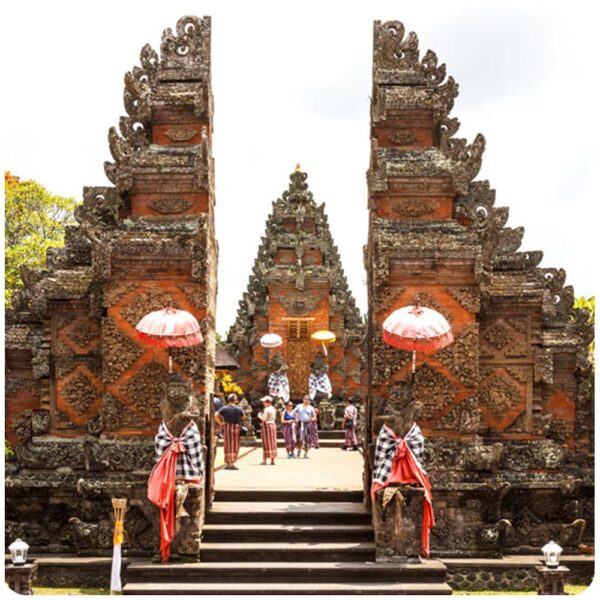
<point x="289" y="495"/>
<point x="287" y="533"/>
<point x="288" y="552"/>
<point x="293" y="588"/>
<point x="325" y="434"/>
<point x="256" y="443"/>
<point x="430" y="571"/>
<point x="289" y="513"/>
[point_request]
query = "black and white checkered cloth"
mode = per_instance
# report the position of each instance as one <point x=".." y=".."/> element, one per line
<point x="385" y="450"/>
<point x="279" y="386"/>
<point x="189" y="464"/>
<point x="318" y="383"/>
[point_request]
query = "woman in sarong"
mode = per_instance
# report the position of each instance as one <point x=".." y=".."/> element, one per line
<point x="268" y="430"/>
<point x="288" y="420"/>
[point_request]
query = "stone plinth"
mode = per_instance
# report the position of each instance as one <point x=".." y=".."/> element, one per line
<point x="552" y="581"/>
<point x="19" y="578"/>
<point x="398" y="526"/>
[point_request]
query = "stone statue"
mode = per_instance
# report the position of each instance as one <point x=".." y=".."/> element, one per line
<point x="176" y="408"/>
<point x="319" y="385"/>
<point x="403" y="410"/>
<point x="278" y="386"/>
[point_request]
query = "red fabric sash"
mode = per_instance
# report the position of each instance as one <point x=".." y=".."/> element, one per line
<point x="161" y="492"/>
<point x="406" y="470"/>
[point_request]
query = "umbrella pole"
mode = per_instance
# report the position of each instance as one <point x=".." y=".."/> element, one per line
<point x="170" y="361"/>
<point x="324" y="349"/>
<point x="414" y="364"/>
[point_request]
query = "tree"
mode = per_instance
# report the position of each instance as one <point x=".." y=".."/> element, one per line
<point x="35" y="220"/>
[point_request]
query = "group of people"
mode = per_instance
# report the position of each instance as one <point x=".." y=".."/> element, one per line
<point x="298" y="424"/>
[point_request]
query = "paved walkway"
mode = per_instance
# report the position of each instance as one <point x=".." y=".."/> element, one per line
<point x="325" y="469"/>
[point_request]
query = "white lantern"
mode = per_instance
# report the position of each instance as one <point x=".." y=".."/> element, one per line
<point x="552" y="552"/>
<point x="18" y="552"/>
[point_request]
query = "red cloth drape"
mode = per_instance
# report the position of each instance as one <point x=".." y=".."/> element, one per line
<point x="406" y="470"/>
<point x="161" y="492"/>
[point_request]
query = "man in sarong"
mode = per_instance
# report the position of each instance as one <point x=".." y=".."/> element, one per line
<point x="349" y="424"/>
<point x="229" y="418"/>
<point x="305" y="416"/>
<point x="268" y="430"/>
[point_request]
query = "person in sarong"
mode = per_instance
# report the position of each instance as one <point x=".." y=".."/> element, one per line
<point x="349" y="424"/>
<point x="229" y="418"/>
<point x="288" y="422"/>
<point x="305" y="415"/>
<point x="268" y="430"/>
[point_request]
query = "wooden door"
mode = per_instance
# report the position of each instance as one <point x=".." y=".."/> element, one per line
<point x="298" y="344"/>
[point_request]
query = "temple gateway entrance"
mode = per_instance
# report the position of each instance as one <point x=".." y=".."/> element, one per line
<point x="506" y="409"/>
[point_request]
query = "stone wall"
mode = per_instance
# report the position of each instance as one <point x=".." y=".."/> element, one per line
<point x="84" y="394"/>
<point x="506" y="409"/>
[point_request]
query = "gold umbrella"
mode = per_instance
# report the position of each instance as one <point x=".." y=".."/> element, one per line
<point x="323" y="336"/>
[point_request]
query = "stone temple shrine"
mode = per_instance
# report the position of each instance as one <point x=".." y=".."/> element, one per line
<point x="506" y="409"/>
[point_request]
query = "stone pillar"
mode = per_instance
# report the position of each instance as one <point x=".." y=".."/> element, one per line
<point x="552" y="581"/>
<point x="398" y="526"/>
<point x="19" y="578"/>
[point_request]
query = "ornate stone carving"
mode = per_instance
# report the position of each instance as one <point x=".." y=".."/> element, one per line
<point x="402" y="138"/>
<point x="114" y="292"/>
<point x="23" y="426"/>
<point x="171" y="206"/>
<point x="181" y="133"/>
<point x="114" y="415"/>
<point x="387" y="361"/>
<point x="499" y="395"/>
<point x="298" y="304"/>
<point x="84" y="333"/>
<point x="462" y="356"/>
<point x="195" y="294"/>
<point x="468" y="297"/>
<point x="80" y="393"/>
<point x="413" y="207"/>
<point x="119" y="352"/>
<point x="146" y="389"/>
<point x="433" y="390"/>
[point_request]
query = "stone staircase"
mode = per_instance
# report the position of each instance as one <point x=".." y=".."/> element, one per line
<point x="332" y="438"/>
<point x="287" y="542"/>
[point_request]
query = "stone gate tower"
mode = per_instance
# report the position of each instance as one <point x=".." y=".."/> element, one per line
<point x="83" y="393"/>
<point x="297" y="287"/>
<point x="507" y="408"/>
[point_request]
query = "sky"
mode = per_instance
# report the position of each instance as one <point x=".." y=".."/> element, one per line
<point x="292" y="83"/>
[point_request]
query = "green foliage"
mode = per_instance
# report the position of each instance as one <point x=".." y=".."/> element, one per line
<point x="8" y="451"/>
<point x="590" y="305"/>
<point x="35" y="220"/>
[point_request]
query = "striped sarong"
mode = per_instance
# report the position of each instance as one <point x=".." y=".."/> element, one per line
<point x="350" y="438"/>
<point x="268" y="436"/>
<point x="288" y="436"/>
<point x="303" y="435"/>
<point x="231" y="441"/>
<point x="314" y="434"/>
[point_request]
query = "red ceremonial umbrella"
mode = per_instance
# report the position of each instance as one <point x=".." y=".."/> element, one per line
<point x="417" y="328"/>
<point x="170" y="327"/>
